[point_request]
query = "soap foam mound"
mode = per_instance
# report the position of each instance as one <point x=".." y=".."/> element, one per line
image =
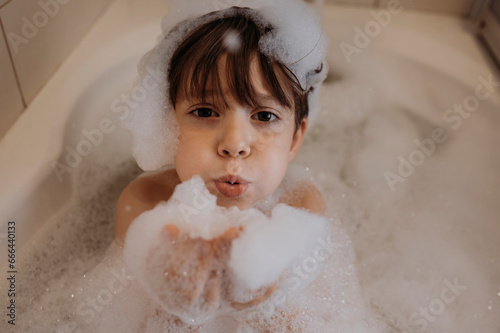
<point x="268" y="247"/>
<point x="109" y="297"/>
<point x="264" y="250"/>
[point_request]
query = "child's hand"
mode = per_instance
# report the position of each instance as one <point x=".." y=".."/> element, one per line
<point x="187" y="274"/>
<point x="182" y="264"/>
<point x="257" y="300"/>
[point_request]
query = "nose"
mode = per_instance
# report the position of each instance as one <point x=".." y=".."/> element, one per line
<point x="235" y="139"/>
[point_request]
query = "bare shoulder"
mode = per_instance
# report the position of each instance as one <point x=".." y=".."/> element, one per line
<point x="312" y="199"/>
<point x="143" y="194"/>
<point x="305" y="194"/>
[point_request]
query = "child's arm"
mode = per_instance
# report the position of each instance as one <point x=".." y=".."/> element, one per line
<point x="141" y="195"/>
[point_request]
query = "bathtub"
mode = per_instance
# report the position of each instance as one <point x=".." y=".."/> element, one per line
<point x="96" y="73"/>
<point x="74" y="120"/>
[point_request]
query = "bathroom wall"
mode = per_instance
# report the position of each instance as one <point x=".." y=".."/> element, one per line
<point x="36" y="36"/>
<point x="453" y="7"/>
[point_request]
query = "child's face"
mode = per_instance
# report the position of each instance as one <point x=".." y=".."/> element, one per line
<point x="255" y="144"/>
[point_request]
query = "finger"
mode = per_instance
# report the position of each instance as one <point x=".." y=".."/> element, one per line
<point x="171" y="230"/>
<point x="232" y="233"/>
<point x="255" y="301"/>
<point x="213" y="290"/>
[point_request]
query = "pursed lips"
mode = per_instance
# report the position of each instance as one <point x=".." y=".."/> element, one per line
<point x="231" y="186"/>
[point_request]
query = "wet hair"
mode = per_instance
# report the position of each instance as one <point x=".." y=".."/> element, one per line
<point x="195" y="65"/>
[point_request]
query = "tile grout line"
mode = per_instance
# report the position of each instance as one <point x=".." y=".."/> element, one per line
<point x="12" y="63"/>
<point x="5" y="4"/>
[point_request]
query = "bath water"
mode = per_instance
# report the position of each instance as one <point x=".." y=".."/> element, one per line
<point x="420" y="256"/>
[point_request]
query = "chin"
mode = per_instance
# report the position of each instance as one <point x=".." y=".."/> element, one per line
<point x="228" y="202"/>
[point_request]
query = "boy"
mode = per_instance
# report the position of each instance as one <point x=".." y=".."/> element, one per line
<point x="241" y="117"/>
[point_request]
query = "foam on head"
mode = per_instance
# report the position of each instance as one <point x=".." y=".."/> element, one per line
<point x="296" y="40"/>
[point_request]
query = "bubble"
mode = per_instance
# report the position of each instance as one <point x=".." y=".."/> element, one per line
<point x="232" y="41"/>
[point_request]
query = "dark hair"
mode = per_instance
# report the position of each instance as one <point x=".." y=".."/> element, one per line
<point x="197" y="59"/>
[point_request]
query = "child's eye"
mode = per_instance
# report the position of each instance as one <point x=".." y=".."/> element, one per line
<point x="265" y="116"/>
<point x="204" y="112"/>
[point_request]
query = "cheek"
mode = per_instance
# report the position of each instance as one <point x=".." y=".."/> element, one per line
<point x="277" y="147"/>
<point x="273" y="165"/>
<point x="278" y="138"/>
<point x="189" y="159"/>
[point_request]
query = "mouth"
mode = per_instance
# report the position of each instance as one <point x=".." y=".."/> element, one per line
<point x="231" y="186"/>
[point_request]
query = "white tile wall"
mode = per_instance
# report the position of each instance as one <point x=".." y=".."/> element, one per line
<point x="11" y="102"/>
<point x="39" y="34"/>
<point x="42" y="33"/>
<point x="354" y="2"/>
<point x="453" y="7"/>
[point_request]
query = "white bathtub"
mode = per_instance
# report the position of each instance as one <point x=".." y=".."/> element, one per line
<point x="83" y="92"/>
<point x="77" y="97"/>
<point x="103" y="66"/>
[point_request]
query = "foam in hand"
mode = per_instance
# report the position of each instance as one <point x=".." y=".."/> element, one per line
<point x="269" y="246"/>
<point x="265" y="249"/>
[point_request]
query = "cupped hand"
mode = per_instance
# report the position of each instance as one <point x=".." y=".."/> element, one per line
<point x="191" y="270"/>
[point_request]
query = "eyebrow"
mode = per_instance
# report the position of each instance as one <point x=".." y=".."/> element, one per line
<point x="260" y="98"/>
<point x="265" y="98"/>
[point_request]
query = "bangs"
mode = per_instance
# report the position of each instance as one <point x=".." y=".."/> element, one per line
<point x="195" y="69"/>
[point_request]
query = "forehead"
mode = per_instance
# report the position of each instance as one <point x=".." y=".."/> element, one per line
<point x="221" y="84"/>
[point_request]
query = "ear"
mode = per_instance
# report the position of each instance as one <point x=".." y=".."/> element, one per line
<point x="298" y="138"/>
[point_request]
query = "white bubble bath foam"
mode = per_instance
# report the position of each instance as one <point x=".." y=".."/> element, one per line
<point x="410" y="242"/>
